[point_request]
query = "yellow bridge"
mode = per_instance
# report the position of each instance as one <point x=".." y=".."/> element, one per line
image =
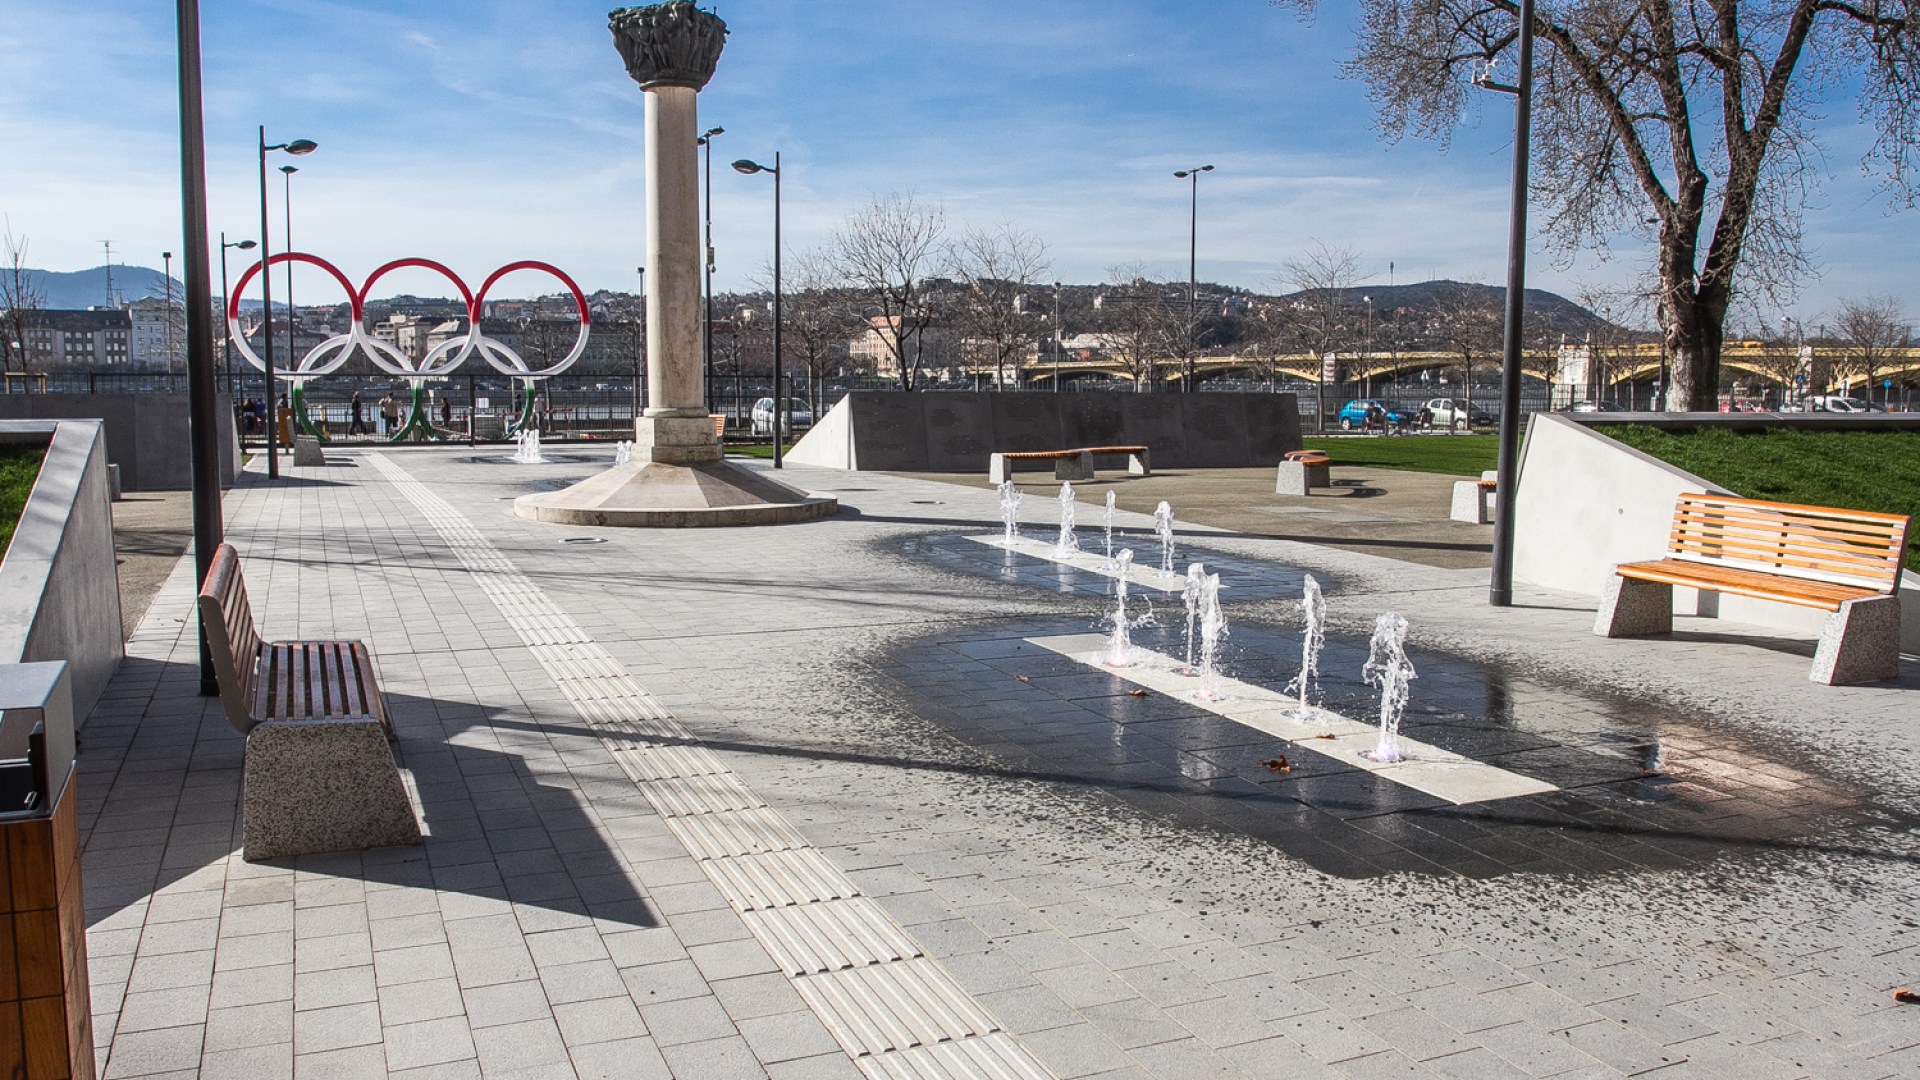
<point x="1613" y="366"/>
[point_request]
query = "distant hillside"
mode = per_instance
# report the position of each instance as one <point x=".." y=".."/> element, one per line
<point x="77" y="289"/>
<point x="1556" y="312"/>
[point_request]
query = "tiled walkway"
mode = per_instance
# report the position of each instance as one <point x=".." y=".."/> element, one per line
<point x="772" y="802"/>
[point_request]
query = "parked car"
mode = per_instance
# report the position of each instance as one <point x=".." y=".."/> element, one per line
<point x="1449" y="413"/>
<point x="799" y="416"/>
<point x="1840" y="404"/>
<point x="1364" y="413"/>
<point x="1595" y="406"/>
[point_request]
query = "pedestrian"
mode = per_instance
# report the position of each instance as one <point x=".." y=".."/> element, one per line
<point x="389" y="415"/>
<point x="358" y="425"/>
<point x="446" y="412"/>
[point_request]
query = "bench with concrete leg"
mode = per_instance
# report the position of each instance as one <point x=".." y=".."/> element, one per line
<point x="1845" y="562"/>
<point x="1072" y="465"/>
<point x="319" y="775"/>
<point x="1301" y="471"/>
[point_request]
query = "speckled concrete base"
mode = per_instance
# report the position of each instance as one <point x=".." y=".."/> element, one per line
<point x="664" y="495"/>
<point x="1860" y="643"/>
<point x="1300" y="478"/>
<point x="1630" y="607"/>
<point x="314" y="786"/>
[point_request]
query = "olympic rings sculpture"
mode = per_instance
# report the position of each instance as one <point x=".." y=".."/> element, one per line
<point x="440" y="360"/>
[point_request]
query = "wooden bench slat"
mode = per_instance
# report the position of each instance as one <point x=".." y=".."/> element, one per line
<point x="1868" y="567"/>
<point x="1755" y="583"/>
<point x="1866" y="533"/>
<point x="1880" y="556"/>
<point x="1739" y="505"/>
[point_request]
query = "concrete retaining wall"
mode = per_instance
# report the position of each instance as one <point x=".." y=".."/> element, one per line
<point x="146" y="434"/>
<point x="1587" y="503"/>
<point x="956" y="432"/>
<point x="59" y="591"/>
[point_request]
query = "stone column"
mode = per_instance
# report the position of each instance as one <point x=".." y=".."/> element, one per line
<point x="670" y="50"/>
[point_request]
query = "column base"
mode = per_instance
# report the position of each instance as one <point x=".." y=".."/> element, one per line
<point x="676" y="439"/>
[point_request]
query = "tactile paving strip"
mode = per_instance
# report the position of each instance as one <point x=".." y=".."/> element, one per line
<point x="894" y="1010"/>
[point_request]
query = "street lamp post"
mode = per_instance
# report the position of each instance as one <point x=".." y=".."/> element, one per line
<point x="295" y="147"/>
<point x="1056" y="337"/>
<point x="227" y="336"/>
<point x="1193" y="280"/>
<point x="1368" y="360"/>
<point x="286" y="222"/>
<point x="706" y="140"/>
<point x="166" y="271"/>
<point x="781" y="420"/>
<point x="1500" y="587"/>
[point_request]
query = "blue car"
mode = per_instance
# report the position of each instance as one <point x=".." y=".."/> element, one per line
<point x="1361" y="414"/>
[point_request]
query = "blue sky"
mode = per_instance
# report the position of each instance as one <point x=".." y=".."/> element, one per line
<point x="479" y="133"/>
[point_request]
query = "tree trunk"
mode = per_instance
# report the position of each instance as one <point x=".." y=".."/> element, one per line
<point x="1694" y="331"/>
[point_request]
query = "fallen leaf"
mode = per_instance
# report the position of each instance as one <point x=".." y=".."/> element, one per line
<point x="1279" y="764"/>
<point x="1023" y="678"/>
<point x="1136" y="693"/>
<point x="1905" y="996"/>
<point x="1326" y="735"/>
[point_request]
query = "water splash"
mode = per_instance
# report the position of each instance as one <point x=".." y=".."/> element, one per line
<point x="528" y="452"/>
<point x="1388" y="668"/>
<point x="1313" y="607"/>
<point x="623" y="452"/>
<point x="1191" y="595"/>
<point x="1010" y="497"/>
<point x="1120" y="645"/>
<point x="1109" y="527"/>
<point x="1068" y="544"/>
<point x="1213" y="627"/>
<point x="1163" y="528"/>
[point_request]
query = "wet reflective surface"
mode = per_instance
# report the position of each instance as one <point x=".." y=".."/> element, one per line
<point x="1640" y="785"/>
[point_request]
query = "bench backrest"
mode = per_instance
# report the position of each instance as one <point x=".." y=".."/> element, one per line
<point x="231" y="636"/>
<point x="1815" y="543"/>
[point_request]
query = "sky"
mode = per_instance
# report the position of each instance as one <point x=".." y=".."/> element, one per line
<point x="482" y="132"/>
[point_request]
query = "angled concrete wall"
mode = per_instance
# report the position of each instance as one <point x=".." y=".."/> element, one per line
<point x="147" y="435"/>
<point x="956" y="432"/>
<point x="1587" y="503"/>
<point x="59" y="590"/>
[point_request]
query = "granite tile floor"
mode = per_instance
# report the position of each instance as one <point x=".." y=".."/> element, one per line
<point x="635" y="757"/>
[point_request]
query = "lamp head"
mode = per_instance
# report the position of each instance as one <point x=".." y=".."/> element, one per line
<point x="708" y="134"/>
<point x="748" y="168"/>
<point x="301" y="146"/>
<point x="289" y="169"/>
<point x="244" y="245"/>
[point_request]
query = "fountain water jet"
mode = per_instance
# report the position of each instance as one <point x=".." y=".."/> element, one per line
<point x="623" y="452"/>
<point x="1120" y="645"/>
<point x="1068" y="543"/>
<point x="1163" y="527"/>
<point x="1213" y="627"/>
<point x="1191" y="595"/>
<point x="1313" y="607"/>
<point x="1388" y="668"/>
<point x="528" y="452"/>
<point x="1108" y="565"/>
<point x="1010" y="497"/>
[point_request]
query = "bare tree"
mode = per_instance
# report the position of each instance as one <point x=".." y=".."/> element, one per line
<point x="1469" y="321"/>
<point x="885" y="254"/>
<point x="20" y="303"/>
<point x="1137" y="316"/>
<point x="820" y="316"/>
<point x="1318" y="317"/>
<point x="994" y="269"/>
<point x="1874" y="329"/>
<point x="1689" y="121"/>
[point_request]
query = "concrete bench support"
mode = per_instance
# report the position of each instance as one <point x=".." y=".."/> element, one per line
<point x="314" y="786"/>
<point x="1078" y="466"/>
<point x="306" y="451"/>
<point x="1473" y="502"/>
<point x="1301" y="477"/>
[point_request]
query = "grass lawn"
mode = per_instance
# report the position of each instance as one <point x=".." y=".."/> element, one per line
<point x="1453" y="455"/>
<point x="764" y="451"/>
<point x="1854" y="470"/>
<point x="19" y="467"/>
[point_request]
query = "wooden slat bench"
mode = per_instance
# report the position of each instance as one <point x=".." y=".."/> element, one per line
<point x="319" y="775"/>
<point x="1069" y="464"/>
<point x="1301" y="471"/>
<point x="1846" y="562"/>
